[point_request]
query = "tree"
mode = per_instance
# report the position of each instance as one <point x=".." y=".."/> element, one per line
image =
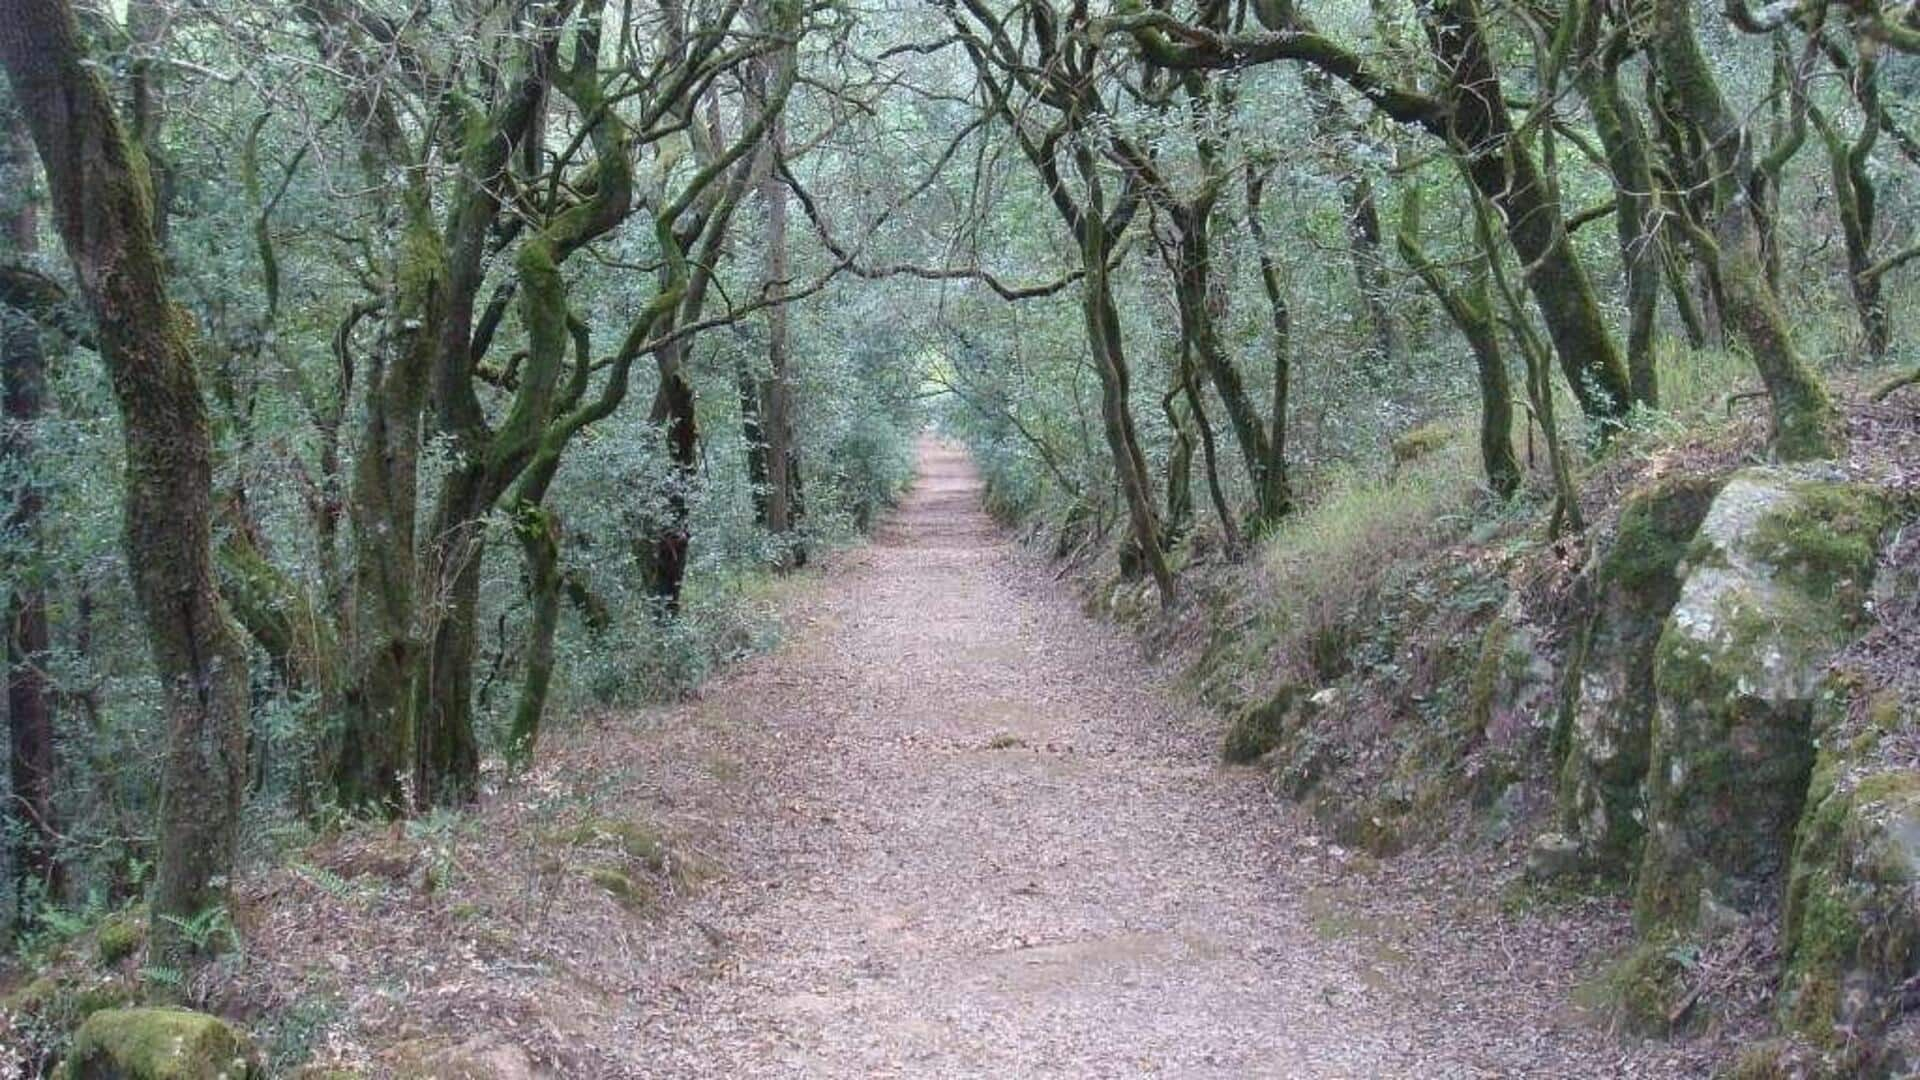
<point x="23" y="393"/>
<point x="103" y="206"/>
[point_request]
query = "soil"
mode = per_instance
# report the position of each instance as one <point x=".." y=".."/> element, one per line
<point x="952" y="827"/>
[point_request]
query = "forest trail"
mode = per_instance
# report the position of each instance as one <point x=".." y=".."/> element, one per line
<point x="989" y="843"/>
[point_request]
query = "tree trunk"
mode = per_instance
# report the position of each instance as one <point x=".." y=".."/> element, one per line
<point x="1471" y="311"/>
<point x="753" y="434"/>
<point x="1193" y="289"/>
<point x="665" y="548"/>
<point x="103" y="203"/>
<point x="1103" y="336"/>
<point x="1503" y="171"/>
<point x="1857" y="201"/>
<point x="446" y="757"/>
<point x="22" y="402"/>
<point x="1635" y="216"/>
<point x="1279" y="488"/>
<point x="1179" y="455"/>
<point x="1805" y="424"/>
<point x="776" y="397"/>
<point x="382" y="641"/>
<point x="538" y="530"/>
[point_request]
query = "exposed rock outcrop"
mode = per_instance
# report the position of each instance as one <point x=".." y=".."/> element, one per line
<point x="1775" y="585"/>
<point x="1632" y="587"/>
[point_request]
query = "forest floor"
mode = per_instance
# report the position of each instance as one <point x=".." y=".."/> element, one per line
<point x="952" y="827"/>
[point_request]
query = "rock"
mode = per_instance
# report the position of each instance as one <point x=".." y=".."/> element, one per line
<point x="1554" y="857"/>
<point x="1512" y="688"/>
<point x="119" y="937"/>
<point x="1509" y="809"/>
<point x="1774" y="586"/>
<point x="1416" y="443"/>
<point x="1260" y="727"/>
<point x="1850" y="942"/>
<point x="1630" y="587"/>
<point x="159" y="1044"/>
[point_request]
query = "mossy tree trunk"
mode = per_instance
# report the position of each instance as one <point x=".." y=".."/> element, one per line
<point x="103" y="204"/>
<point x="1636" y="216"/>
<point x="23" y="398"/>
<point x="1102" y="319"/>
<point x="1279" y="487"/>
<point x="1173" y="405"/>
<point x="1856" y="199"/>
<point x="1805" y="424"/>
<point x="1199" y="292"/>
<point x="1191" y="259"/>
<point x="1060" y="81"/>
<point x="1361" y="211"/>
<point x="1471" y="311"/>
<point x="1470" y="113"/>
<point x="1503" y="171"/>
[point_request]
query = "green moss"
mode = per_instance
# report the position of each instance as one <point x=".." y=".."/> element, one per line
<point x="630" y="893"/>
<point x="630" y="838"/>
<point x="62" y="1002"/>
<point x="1827" y="542"/>
<point x="1485" y="679"/>
<point x="118" y="938"/>
<point x="1645" y="990"/>
<point x="1259" y="728"/>
<point x="1655" y="530"/>
<point x="33" y="998"/>
<point x="1778" y="1059"/>
<point x="158" y="1044"/>
<point x="1824" y="941"/>
<point x="1418" y="442"/>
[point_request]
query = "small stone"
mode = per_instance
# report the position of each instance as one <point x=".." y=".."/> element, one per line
<point x="1554" y="856"/>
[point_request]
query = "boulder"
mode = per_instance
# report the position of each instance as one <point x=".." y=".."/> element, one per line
<point x="1630" y="587"/>
<point x="159" y="1044"/>
<point x="1850" y="940"/>
<point x="1775" y="584"/>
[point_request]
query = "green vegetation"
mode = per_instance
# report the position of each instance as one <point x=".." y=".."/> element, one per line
<point x="389" y="385"/>
<point x="159" y="1044"/>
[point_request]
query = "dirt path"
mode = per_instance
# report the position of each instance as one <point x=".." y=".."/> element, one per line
<point x="980" y="840"/>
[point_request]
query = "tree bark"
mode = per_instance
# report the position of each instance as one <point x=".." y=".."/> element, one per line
<point x="1504" y="172"/>
<point x="776" y="393"/>
<point x="1636" y="218"/>
<point x="30" y="720"/>
<point x="1279" y="487"/>
<point x="103" y="204"/>
<point x="1805" y="424"/>
<point x="1471" y="311"/>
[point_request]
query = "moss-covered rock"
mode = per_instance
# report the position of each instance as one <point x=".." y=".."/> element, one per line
<point x="1510" y="688"/>
<point x="1259" y="727"/>
<point x="1416" y="443"/>
<point x="158" y="1044"/>
<point x="1773" y="585"/>
<point x="1850" y="943"/>
<point x="631" y="892"/>
<point x="118" y="938"/>
<point x="1630" y="589"/>
<point x="1646" y="991"/>
<point x="61" y="1002"/>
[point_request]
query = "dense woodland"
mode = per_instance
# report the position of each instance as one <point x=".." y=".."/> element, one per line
<point x="388" y="382"/>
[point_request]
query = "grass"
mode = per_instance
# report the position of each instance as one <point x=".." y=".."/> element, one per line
<point x="1357" y="528"/>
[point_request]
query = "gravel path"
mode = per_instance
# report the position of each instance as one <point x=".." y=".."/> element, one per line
<point x="982" y="840"/>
